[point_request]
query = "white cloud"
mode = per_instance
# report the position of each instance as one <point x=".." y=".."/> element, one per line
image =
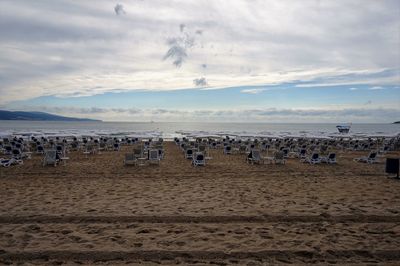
<point x="353" y="89"/>
<point x="360" y="115"/>
<point x="74" y="47"/>
<point x="200" y="82"/>
<point x="376" y="88"/>
<point x="253" y="91"/>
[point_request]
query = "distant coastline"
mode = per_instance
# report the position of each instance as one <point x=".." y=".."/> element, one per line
<point x="397" y="122"/>
<point x="38" y="116"/>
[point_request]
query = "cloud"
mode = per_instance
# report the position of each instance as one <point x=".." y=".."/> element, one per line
<point x="356" y="115"/>
<point x="119" y="9"/>
<point x="179" y="46"/>
<point x="253" y="91"/>
<point x="375" y="88"/>
<point x="72" y="47"/>
<point x="200" y="82"/>
<point x="177" y="52"/>
<point x="353" y="89"/>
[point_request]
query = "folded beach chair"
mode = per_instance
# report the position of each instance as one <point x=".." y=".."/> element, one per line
<point x="199" y="159"/>
<point x="372" y="158"/>
<point x="130" y="159"/>
<point x="50" y="158"/>
<point x="154" y="157"/>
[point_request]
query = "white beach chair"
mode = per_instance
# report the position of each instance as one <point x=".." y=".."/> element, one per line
<point x="372" y="158"/>
<point x="228" y="149"/>
<point x="9" y="162"/>
<point x="130" y="159"/>
<point x="138" y="152"/>
<point x="50" y="158"/>
<point x="254" y="157"/>
<point x="314" y="159"/>
<point x="189" y="153"/>
<point x="330" y="159"/>
<point x="154" y="157"/>
<point x="199" y="159"/>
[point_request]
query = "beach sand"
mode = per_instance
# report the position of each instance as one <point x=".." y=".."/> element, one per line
<point x="96" y="211"/>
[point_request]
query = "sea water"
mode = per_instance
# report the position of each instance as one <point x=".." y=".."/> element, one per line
<point x="178" y="129"/>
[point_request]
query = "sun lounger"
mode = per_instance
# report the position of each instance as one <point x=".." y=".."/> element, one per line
<point x="9" y="162"/>
<point x="330" y="159"/>
<point x="314" y="159"/>
<point x="371" y="158"/>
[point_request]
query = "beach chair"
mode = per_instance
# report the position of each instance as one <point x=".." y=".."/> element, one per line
<point x="371" y="158"/>
<point x="161" y="153"/>
<point x="279" y="157"/>
<point x="228" y="149"/>
<point x="50" y="158"/>
<point x="154" y="157"/>
<point x="102" y="146"/>
<point x="17" y="154"/>
<point x="285" y="153"/>
<point x="138" y="152"/>
<point x="199" y="159"/>
<point x="302" y="154"/>
<point x="9" y="162"/>
<point x="254" y="157"/>
<point x="330" y="159"/>
<point x="189" y="154"/>
<point x="8" y="150"/>
<point x="130" y="159"/>
<point x="60" y="150"/>
<point x="116" y="147"/>
<point x="314" y="159"/>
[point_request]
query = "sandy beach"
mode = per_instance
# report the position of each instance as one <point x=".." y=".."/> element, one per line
<point x="97" y="211"/>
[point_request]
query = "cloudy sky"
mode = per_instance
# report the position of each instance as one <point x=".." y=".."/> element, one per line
<point x="194" y="60"/>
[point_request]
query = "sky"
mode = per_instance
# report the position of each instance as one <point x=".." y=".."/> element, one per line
<point x="203" y="60"/>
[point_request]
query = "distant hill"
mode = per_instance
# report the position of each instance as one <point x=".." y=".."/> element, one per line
<point x="37" y="116"/>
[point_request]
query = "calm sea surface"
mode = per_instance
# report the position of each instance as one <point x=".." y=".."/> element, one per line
<point x="172" y="129"/>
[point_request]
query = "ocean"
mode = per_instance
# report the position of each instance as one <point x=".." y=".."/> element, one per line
<point x="169" y="130"/>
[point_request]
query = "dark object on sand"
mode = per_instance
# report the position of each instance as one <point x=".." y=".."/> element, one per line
<point x="392" y="166"/>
